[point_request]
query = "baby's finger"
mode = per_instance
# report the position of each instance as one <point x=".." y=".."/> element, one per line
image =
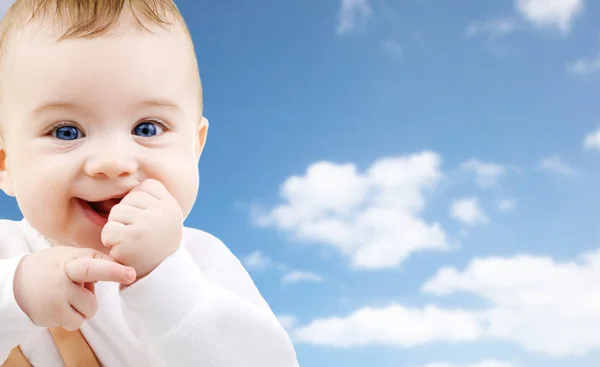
<point x="112" y="233"/>
<point x="152" y="187"/>
<point x="88" y="253"/>
<point x="71" y="319"/>
<point x="82" y="300"/>
<point x="95" y="270"/>
<point x="123" y="214"/>
<point x="138" y="199"/>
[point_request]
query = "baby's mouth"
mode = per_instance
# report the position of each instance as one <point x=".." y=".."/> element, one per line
<point x="103" y="207"/>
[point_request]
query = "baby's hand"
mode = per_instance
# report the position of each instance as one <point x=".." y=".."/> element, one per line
<point x="55" y="287"/>
<point x="144" y="228"/>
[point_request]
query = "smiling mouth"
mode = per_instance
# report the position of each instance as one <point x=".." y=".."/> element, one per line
<point x="103" y="207"/>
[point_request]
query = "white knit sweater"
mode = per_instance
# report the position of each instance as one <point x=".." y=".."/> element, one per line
<point x="199" y="308"/>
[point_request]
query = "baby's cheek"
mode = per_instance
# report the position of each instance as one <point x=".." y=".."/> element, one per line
<point x="182" y="183"/>
<point x="46" y="213"/>
<point x="41" y="190"/>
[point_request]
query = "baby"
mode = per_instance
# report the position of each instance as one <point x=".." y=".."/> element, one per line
<point x="101" y="131"/>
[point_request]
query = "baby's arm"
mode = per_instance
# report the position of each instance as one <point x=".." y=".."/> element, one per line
<point x="41" y="290"/>
<point x="212" y="316"/>
<point x="15" y="326"/>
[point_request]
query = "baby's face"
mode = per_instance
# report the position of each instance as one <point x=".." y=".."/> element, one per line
<point x="85" y="120"/>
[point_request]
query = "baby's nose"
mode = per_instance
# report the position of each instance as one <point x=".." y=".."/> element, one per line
<point x="111" y="165"/>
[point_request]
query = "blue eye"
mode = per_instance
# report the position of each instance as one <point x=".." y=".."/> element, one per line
<point x="147" y="129"/>
<point x="67" y="133"/>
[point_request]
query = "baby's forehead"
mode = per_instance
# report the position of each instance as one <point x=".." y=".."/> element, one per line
<point x="93" y="71"/>
<point x="65" y="55"/>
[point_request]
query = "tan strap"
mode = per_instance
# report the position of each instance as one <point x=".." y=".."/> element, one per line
<point x="16" y="358"/>
<point x="72" y="346"/>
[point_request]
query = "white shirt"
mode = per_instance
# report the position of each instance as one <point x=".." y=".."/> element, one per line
<point x="199" y="308"/>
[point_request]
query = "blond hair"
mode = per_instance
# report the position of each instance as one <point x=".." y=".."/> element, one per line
<point x="92" y="18"/>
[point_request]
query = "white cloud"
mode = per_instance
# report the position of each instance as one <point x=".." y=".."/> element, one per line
<point x="556" y="165"/>
<point x="373" y="218"/>
<point x="301" y="276"/>
<point x="394" y="325"/>
<point x="487" y="174"/>
<point x="492" y="28"/>
<point x="545" y="306"/>
<point x="592" y="140"/>
<point x="353" y="13"/>
<point x="468" y="211"/>
<point x="484" y="363"/>
<point x="585" y="66"/>
<point x="257" y="260"/>
<point x="558" y="14"/>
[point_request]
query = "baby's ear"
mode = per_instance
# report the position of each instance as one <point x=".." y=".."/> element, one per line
<point x="201" y="135"/>
<point x="5" y="179"/>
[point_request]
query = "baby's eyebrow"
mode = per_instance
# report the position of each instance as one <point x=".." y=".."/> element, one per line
<point x="56" y="105"/>
<point x="62" y="105"/>
<point x="160" y="102"/>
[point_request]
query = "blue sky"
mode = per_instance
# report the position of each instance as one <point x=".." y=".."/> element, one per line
<point x="410" y="183"/>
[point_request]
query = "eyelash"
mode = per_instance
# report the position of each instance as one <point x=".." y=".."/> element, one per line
<point x="58" y="125"/>
<point x="160" y="123"/>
